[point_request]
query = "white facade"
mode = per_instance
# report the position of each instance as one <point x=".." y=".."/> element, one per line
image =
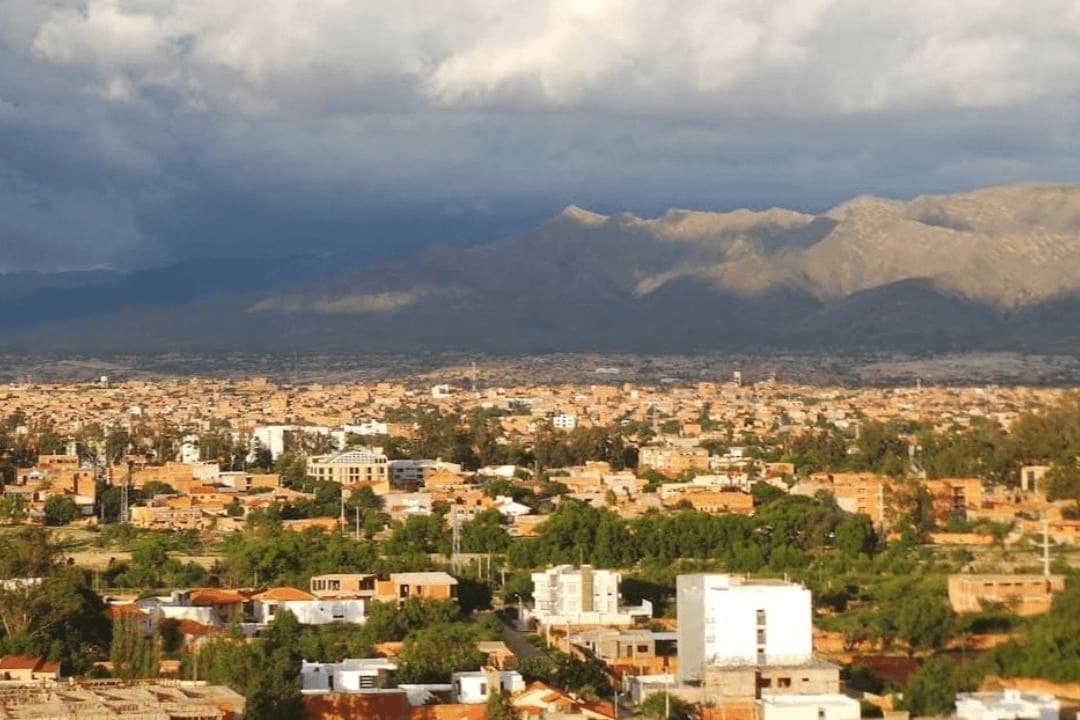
<point x="314" y="612"/>
<point x="474" y="688"/>
<point x="809" y="707"/>
<point x="565" y="595"/>
<point x="1007" y="705"/>
<point x="348" y="676"/>
<point x="563" y="421"/>
<point x="509" y="508"/>
<point x="371" y="427"/>
<point x="728" y="621"/>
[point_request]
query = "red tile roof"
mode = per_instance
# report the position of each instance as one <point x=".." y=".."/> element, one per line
<point x="20" y="662"/>
<point x="284" y="594"/>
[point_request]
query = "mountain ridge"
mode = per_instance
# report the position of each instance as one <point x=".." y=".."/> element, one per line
<point x="991" y="268"/>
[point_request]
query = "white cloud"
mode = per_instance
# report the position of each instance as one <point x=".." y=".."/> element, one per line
<point x="653" y="57"/>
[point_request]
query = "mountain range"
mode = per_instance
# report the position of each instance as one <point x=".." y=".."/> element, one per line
<point x="993" y="269"/>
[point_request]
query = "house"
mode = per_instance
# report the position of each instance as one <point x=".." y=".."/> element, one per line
<point x="1007" y="705"/>
<point x="540" y="700"/>
<point x="28" y="668"/>
<point x="1025" y="594"/>
<point x="348" y="676"/>
<point x="343" y="585"/>
<point x="474" y="687"/>
<point x="308" y="609"/>
<point x="398" y="587"/>
<point x="809" y="707"/>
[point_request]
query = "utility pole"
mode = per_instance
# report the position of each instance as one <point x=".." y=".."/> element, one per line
<point x="1046" y="549"/>
<point x="357" y="508"/>
<point x="455" y="552"/>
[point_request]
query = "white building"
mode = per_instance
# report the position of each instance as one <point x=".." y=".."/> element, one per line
<point x="369" y="427"/>
<point x="563" y="421"/>
<point x="1007" y="705"/>
<point x="510" y="509"/>
<point x="565" y="595"/>
<point x="441" y="391"/>
<point x="348" y="676"/>
<point x="308" y="609"/>
<point x="474" y="688"/>
<point x="809" y="707"/>
<point x="730" y="621"/>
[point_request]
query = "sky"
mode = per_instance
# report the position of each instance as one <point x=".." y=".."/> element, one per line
<point x="135" y="133"/>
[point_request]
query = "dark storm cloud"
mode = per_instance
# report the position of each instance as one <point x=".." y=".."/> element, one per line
<point x="136" y="132"/>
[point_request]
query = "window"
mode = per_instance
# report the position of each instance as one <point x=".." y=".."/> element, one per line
<point x="270" y="610"/>
<point x="483" y="689"/>
<point x="403" y="591"/>
<point x="643" y="648"/>
<point x="783" y="682"/>
<point x="760" y="617"/>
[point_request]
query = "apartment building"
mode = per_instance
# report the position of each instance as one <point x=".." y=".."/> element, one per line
<point x="353" y="467"/>
<point x="726" y="620"/>
<point x="671" y="461"/>
<point x="565" y="595"/>
<point x="742" y="638"/>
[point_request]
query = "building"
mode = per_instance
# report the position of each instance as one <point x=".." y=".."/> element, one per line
<point x="565" y="595"/>
<point x="348" y="676"/>
<point x="399" y="587"/>
<point x="1031" y="477"/>
<point x="343" y="585"/>
<point x="1024" y="594"/>
<point x="137" y="700"/>
<point x="475" y="687"/>
<point x="729" y="621"/>
<point x="564" y="421"/>
<point x="671" y="461"/>
<point x="1007" y="705"/>
<point x="353" y="467"/>
<point x="28" y="668"/>
<point x="809" y="707"/>
<point x="308" y="609"/>
<point x="416" y="472"/>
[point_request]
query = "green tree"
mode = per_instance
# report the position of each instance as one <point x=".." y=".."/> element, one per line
<point x="660" y="706"/>
<point x="275" y="692"/>
<point x="432" y="653"/>
<point x="923" y="620"/>
<point x="60" y="510"/>
<point x="931" y="690"/>
<point x="132" y="653"/>
<point x="499" y="706"/>
<point x="12" y="509"/>
<point x="172" y="639"/>
<point x="855" y="536"/>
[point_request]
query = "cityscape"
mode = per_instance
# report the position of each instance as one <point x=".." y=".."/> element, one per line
<point x="739" y="548"/>
<point x="539" y="360"/>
